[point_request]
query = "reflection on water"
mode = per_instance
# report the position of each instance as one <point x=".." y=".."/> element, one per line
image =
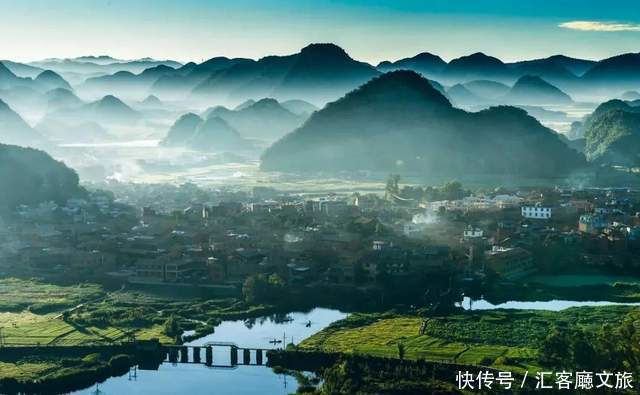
<point x="197" y="379"/>
<point x="553" y="305"/>
<point x="260" y="332"/>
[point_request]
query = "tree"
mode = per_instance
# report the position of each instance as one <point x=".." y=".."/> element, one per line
<point x="392" y="187"/>
<point x="172" y="327"/>
<point x="254" y="288"/>
<point x="258" y="288"/>
<point x="555" y="349"/>
<point x="453" y="191"/>
<point x="400" y="350"/>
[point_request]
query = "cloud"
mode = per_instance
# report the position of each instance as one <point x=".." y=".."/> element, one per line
<point x="593" y="26"/>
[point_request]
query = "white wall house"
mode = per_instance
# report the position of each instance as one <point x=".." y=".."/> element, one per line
<point x="472" y="233"/>
<point x="536" y="212"/>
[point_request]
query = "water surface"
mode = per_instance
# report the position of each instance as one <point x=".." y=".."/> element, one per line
<point x="198" y="379"/>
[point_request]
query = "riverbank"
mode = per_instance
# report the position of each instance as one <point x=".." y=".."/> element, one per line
<point x="61" y="369"/>
<point x="345" y="373"/>
<point x="566" y="287"/>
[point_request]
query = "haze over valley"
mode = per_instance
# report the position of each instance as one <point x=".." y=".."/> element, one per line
<point x="242" y="119"/>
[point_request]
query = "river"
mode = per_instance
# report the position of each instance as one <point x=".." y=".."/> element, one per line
<point x="244" y="380"/>
<point x="552" y="305"/>
<point x="259" y="333"/>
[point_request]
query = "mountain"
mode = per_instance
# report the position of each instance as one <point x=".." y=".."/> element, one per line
<point x="614" y="137"/>
<point x="576" y="66"/>
<point x="244" y="104"/>
<point x="622" y="71"/>
<point x="487" y="89"/>
<point x="50" y="80"/>
<point x="265" y="119"/>
<point x="478" y="66"/>
<point x="535" y="90"/>
<point x="427" y="64"/>
<point x="110" y="109"/>
<point x="215" y="134"/>
<point x="61" y="98"/>
<point x="578" y="129"/>
<point x="127" y="83"/>
<point x="101" y="65"/>
<point x="29" y="176"/>
<point x="182" y="130"/>
<point x="9" y="80"/>
<point x="399" y="122"/>
<point x="14" y="130"/>
<point x="630" y="95"/>
<point x="99" y="59"/>
<point x="299" y="107"/>
<point x="21" y="69"/>
<point x="555" y="69"/>
<point x="151" y="101"/>
<point x="318" y="73"/>
<point x="461" y="96"/>
<point x="212" y="134"/>
<point x="185" y="79"/>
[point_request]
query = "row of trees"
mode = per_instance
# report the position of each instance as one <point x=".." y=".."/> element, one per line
<point x="614" y="348"/>
<point x="452" y="190"/>
<point x="260" y="288"/>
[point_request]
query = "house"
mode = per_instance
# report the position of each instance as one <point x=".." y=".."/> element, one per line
<point x="509" y="263"/>
<point x="149" y="270"/>
<point x="592" y="223"/>
<point x="536" y="212"/>
<point x="157" y="270"/>
<point x="471" y="232"/>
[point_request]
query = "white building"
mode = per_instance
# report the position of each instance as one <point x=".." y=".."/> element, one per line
<point x="472" y="233"/>
<point x="536" y="212"/>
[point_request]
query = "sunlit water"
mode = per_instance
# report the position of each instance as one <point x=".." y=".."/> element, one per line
<point x="552" y="305"/>
<point x="244" y="380"/>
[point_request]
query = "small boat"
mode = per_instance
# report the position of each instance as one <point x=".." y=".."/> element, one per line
<point x="308" y="325"/>
<point x="275" y="341"/>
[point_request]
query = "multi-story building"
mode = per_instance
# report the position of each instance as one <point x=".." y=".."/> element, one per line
<point x="536" y="212"/>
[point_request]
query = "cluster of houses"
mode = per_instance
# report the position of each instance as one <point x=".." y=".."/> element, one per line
<point x="343" y="239"/>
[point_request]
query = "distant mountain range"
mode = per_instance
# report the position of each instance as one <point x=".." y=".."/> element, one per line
<point x="527" y="90"/>
<point x="399" y="122"/>
<point x="101" y="65"/>
<point x="424" y="63"/>
<point x="67" y="110"/>
<point x="265" y="119"/>
<point x="534" y="90"/>
<point x="326" y="72"/>
<point x="211" y="135"/>
<point x="320" y="73"/>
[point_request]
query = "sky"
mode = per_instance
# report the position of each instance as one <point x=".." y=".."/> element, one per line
<point x="369" y="30"/>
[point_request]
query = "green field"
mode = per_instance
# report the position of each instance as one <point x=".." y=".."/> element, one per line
<point x="38" y="297"/>
<point x="501" y="338"/>
<point x="31" y="314"/>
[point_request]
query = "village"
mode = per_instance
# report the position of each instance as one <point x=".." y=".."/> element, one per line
<point x="181" y="237"/>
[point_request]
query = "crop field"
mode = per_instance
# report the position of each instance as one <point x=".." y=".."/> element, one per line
<point x="500" y="338"/>
<point x="38" y="297"/>
<point x="26" y="370"/>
